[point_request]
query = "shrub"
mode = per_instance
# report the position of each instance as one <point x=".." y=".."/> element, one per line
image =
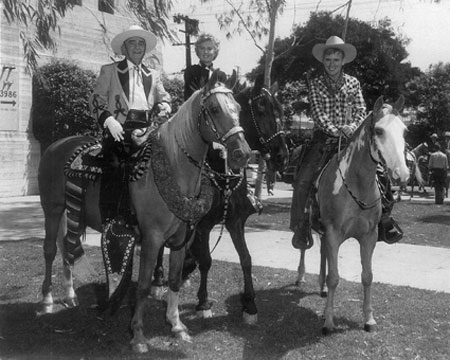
<point x="61" y="91"/>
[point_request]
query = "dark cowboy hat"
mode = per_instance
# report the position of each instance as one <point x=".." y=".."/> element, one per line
<point x="134" y="30"/>
<point x="335" y="42"/>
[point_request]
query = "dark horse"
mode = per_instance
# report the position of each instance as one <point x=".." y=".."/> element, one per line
<point x="210" y="115"/>
<point x="231" y="206"/>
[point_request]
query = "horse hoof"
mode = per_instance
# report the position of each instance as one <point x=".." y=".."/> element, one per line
<point x="326" y="331"/>
<point x="45" y="309"/>
<point x="70" y="303"/>
<point x="158" y="292"/>
<point x="140" y="348"/>
<point x="370" y="327"/>
<point x="300" y="282"/>
<point x="183" y="336"/>
<point x="205" y="314"/>
<point x="249" y="319"/>
<point x="323" y="294"/>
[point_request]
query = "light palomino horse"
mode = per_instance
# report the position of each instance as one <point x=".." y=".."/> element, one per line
<point x="348" y="200"/>
<point x="209" y="115"/>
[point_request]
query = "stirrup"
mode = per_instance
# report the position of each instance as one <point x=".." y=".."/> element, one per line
<point x="389" y="231"/>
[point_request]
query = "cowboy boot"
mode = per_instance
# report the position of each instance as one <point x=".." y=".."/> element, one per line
<point x="388" y="229"/>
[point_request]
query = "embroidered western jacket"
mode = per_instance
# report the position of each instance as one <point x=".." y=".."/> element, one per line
<point x="111" y="95"/>
<point x="333" y="108"/>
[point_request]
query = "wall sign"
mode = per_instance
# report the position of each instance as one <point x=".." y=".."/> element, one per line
<point x="9" y="97"/>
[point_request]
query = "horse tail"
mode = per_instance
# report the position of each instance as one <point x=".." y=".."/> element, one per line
<point x="75" y="222"/>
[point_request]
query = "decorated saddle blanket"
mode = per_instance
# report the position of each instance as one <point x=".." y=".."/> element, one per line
<point x="86" y="162"/>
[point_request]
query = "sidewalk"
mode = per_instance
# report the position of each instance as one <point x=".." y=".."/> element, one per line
<point x="399" y="264"/>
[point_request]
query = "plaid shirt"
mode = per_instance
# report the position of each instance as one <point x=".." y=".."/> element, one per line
<point x="332" y="111"/>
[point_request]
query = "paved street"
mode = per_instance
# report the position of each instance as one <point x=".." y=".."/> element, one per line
<point x="399" y="264"/>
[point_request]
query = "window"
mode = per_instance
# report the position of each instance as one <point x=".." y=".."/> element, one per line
<point x="106" y="6"/>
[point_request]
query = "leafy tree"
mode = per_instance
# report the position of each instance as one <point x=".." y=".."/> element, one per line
<point x="61" y="92"/>
<point x="430" y="94"/>
<point x="175" y="87"/>
<point x="380" y="65"/>
<point x="45" y="15"/>
<point x="240" y="19"/>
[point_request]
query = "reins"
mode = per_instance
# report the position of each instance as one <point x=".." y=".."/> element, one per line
<point x="362" y="204"/>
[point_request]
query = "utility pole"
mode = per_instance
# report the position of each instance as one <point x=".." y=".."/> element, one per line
<point x="190" y="28"/>
<point x="344" y="32"/>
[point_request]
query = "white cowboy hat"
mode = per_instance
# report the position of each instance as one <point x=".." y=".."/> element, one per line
<point x="434" y="135"/>
<point x="335" y="42"/>
<point x="134" y="30"/>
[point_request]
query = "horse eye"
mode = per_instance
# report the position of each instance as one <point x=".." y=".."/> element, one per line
<point x="379" y="132"/>
<point x="214" y="109"/>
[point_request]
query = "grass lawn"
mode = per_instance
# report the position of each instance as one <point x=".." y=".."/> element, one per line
<point x="412" y="323"/>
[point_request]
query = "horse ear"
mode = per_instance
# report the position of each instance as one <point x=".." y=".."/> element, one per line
<point x="231" y="82"/>
<point x="399" y="103"/>
<point x="378" y="104"/>
<point x="274" y="88"/>
<point x="212" y="80"/>
<point x="259" y="83"/>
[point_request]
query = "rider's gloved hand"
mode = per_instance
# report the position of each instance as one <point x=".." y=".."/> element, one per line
<point x="164" y="109"/>
<point x="115" y="128"/>
<point x="347" y="130"/>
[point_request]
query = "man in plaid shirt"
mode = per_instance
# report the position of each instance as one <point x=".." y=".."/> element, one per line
<point x="337" y="109"/>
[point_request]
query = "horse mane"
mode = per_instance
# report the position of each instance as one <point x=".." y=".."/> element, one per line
<point x="180" y="128"/>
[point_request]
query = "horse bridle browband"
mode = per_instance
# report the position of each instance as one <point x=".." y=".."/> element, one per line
<point x="261" y="138"/>
<point x="204" y="110"/>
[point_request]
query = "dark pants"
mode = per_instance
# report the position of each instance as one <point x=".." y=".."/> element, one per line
<point x="318" y="153"/>
<point x="114" y="196"/>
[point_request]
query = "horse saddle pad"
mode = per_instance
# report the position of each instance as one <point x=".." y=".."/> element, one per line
<point x="86" y="162"/>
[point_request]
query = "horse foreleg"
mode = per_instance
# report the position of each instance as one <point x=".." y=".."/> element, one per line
<point x="158" y="277"/>
<point x="249" y="310"/>
<point x="323" y="268"/>
<point x="201" y="252"/>
<point x="366" y="248"/>
<point x="332" y="249"/>
<point x="172" y="314"/>
<point x="301" y="269"/>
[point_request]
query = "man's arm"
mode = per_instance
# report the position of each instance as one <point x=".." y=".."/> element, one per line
<point x="98" y="102"/>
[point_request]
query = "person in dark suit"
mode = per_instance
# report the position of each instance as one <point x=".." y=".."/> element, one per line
<point x="196" y="76"/>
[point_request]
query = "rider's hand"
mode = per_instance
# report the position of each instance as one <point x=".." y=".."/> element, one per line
<point x="115" y="128"/>
<point x="335" y="132"/>
<point x="164" y="109"/>
<point x="347" y="131"/>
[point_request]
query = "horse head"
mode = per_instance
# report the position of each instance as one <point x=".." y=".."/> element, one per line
<point x="260" y="117"/>
<point x="388" y="135"/>
<point x="219" y="121"/>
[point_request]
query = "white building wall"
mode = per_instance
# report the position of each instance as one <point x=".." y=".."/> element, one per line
<point x="85" y="38"/>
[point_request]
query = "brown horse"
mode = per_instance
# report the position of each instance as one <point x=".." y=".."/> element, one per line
<point x="348" y="201"/>
<point x="231" y="207"/>
<point x="210" y="115"/>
